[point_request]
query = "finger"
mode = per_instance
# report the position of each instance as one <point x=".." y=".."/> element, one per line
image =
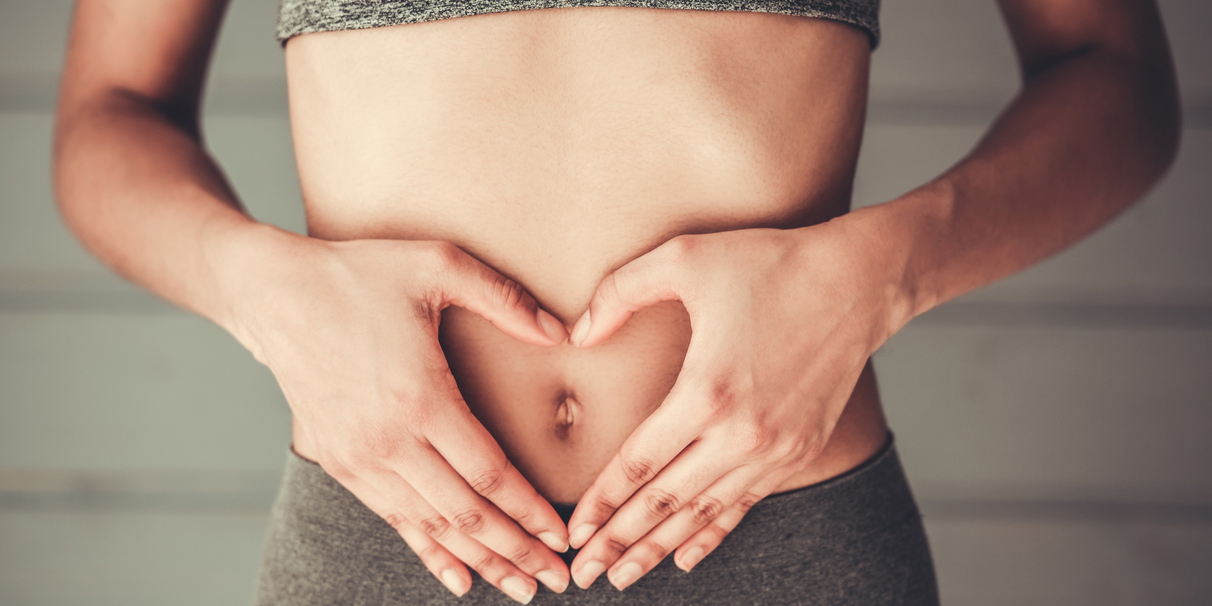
<point x="696" y="469"/>
<point x="462" y="509"/>
<point x="444" y="566"/>
<point x="645" y="281"/>
<point x="706" y="539"/>
<point x="472" y="285"/>
<point x="629" y="558"/>
<point x="415" y="511"/>
<point x="660" y="438"/>
<point x="473" y="453"/>
<point x="738" y="487"/>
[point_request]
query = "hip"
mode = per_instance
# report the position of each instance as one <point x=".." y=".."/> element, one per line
<point x="856" y="538"/>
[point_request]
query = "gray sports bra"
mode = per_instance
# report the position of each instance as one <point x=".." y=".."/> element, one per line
<point x="305" y="16"/>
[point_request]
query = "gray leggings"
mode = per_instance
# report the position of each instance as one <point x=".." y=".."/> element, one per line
<point x="854" y="539"/>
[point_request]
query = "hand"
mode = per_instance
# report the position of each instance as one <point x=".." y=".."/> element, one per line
<point x="783" y="322"/>
<point x="350" y="330"/>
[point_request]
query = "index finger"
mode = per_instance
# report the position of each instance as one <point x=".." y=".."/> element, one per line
<point x="660" y="438"/>
<point x="475" y="455"/>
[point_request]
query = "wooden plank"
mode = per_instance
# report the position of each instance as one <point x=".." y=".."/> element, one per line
<point x="943" y="51"/>
<point x="1155" y="253"/>
<point x="1071" y="412"/>
<point x="164" y="392"/>
<point x="102" y="558"/>
<point x="997" y="562"/>
<point x="129" y="558"/>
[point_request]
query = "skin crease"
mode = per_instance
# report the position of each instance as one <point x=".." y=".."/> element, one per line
<point x="577" y="173"/>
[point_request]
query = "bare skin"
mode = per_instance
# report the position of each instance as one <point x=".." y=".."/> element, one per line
<point x="672" y="185"/>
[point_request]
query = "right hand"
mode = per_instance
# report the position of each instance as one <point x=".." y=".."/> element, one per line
<point x="350" y="331"/>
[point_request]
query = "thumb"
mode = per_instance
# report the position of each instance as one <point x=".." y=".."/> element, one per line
<point x="645" y="281"/>
<point x="472" y="285"/>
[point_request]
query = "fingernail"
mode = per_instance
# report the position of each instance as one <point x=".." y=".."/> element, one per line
<point x="692" y="557"/>
<point x="552" y="327"/>
<point x="590" y="571"/>
<point x="553" y="580"/>
<point x="580" y="330"/>
<point x="454" y="582"/>
<point x="625" y="575"/>
<point x="581" y="535"/>
<point x="553" y="541"/>
<point x="518" y="589"/>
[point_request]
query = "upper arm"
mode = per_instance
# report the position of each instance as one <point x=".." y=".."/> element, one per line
<point x="154" y="51"/>
<point x="1046" y="32"/>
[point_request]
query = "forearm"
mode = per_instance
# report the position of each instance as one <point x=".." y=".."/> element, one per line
<point x="1084" y="140"/>
<point x="142" y="195"/>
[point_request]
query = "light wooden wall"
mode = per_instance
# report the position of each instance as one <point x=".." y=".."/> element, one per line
<point x="1055" y="425"/>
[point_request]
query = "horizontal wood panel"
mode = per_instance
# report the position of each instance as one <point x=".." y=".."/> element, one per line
<point x="255" y="152"/>
<point x="1062" y="411"/>
<point x="134" y="392"/>
<point x="943" y="48"/>
<point x="132" y="559"/>
<point x="1010" y="563"/>
<point x="1157" y="252"/>
<point x="129" y="558"/>
<point x="1080" y="412"/>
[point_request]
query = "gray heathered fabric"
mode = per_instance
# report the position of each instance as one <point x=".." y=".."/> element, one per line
<point x="856" y="539"/>
<point x="304" y="16"/>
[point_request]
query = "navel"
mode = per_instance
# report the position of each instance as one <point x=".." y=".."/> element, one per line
<point x="567" y="410"/>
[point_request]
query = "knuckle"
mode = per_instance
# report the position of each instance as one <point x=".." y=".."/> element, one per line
<point x="435" y="526"/>
<point x="470" y="521"/>
<point x="338" y="468"/>
<point x="662" y="504"/>
<point x="608" y="291"/>
<point x="785" y="450"/>
<point x="431" y="552"/>
<point x="813" y="448"/>
<point x="704" y="509"/>
<point x="679" y="248"/>
<point x="747" y="501"/>
<point x="728" y="392"/>
<point x="377" y="444"/>
<point x="487" y="482"/>
<point x="614" y="546"/>
<point x="397" y="520"/>
<point x="523" y="557"/>
<point x="606" y="506"/>
<point x="722" y="398"/>
<point x="524" y="517"/>
<point x="753" y="440"/>
<point x="655" y="550"/>
<point x="637" y="469"/>
<point x="483" y="563"/>
<point x="444" y="255"/>
<point x="510" y="295"/>
<point x="717" y="532"/>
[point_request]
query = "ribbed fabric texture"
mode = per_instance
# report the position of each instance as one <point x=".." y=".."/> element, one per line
<point x="297" y="17"/>
<point x="856" y="539"/>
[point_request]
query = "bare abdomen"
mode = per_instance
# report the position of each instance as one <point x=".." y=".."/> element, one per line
<point x="556" y="145"/>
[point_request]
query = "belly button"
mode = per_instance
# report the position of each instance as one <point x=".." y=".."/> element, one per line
<point x="566" y="411"/>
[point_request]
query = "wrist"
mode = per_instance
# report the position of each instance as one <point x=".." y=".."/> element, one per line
<point x="904" y="239"/>
<point x="245" y="260"/>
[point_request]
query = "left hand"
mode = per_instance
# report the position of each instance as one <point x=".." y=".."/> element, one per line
<point x="783" y="322"/>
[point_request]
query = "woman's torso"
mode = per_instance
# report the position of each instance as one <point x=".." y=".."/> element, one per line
<point x="556" y="145"/>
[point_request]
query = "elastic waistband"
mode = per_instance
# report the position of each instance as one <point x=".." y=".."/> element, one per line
<point x="872" y="497"/>
<point x="796" y="496"/>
